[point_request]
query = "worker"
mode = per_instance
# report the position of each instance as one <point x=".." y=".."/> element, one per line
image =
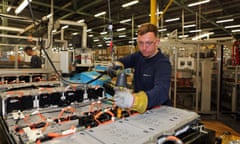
<point x="36" y="61"/>
<point x="152" y="73"/>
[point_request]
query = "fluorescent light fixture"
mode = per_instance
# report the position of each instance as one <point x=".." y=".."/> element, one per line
<point x="96" y="40"/>
<point x="134" y="38"/>
<point x="130" y="3"/>
<point x="22" y="6"/>
<point x="100" y="14"/>
<point x="48" y="16"/>
<point x="122" y="36"/>
<point x="11" y="29"/>
<point x="212" y="11"/>
<point x="103" y="33"/>
<point x="232" y="26"/>
<point x="76" y="33"/>
<point x="162" y="30"/>
<point x="160" y="12"/>
<point x="157" y="13"/>
<point x="81" y="21"/>
<point x="173" y="19"/>
<point x="89" y="30"/>
<point x="91" y="35"/>
<point x="236" y="30"/>
<point x="107" y="42"/>
<point x="198" y="3"/>
<point x="188" y="26"/>
<point x="66" y="26"/>
<point x="195" y="31"/>
<point x="131" y="42"/>
<point x="9" y="8"/>
<point x="121" y="29"/>
<point x="125" y="21"/>
<point x="224" y="21"/>
<point x="183" y="36"/>
<point x="100" y="45"/>
<point x="202" y="36"/>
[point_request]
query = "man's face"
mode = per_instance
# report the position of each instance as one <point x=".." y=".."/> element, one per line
<point x="28" y="52"/>
<point x="148" y="44"/>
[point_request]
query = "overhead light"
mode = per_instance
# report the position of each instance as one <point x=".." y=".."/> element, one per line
<point x="53" y="31"/>
<point x="162" y="30"/>
<point x="232" y="26"/>
<point x="81" y="21"/>
<point x="202" y="36"/>
<point x="75" y="33"/>
<point x="11" y="29"/>
<point x="103" y="33"/>
<point x="9" y="8"/>
<point x="157" y="13"/>
<point x="122" y="36"/>
<point x="89" y="30"/>
<point x="134" y="38"/>
<point x="195" y="31"/>
<point x="125" y="21"/>
<point x="100" y="14"/>
<point x="236" y="30"/>
<point x="198" y="3"/>
<point x="107" y="42"/>
<point x="212" y="11"/>
<point x="226" y="20"/>
<point x="160" y="12"/>
<point x="22" y="6"/>
<point x="100" y="45"/>
<point x="96" y="40"/>
<point x="120" y="29"/>
<point x="66" y="26"/>
<point x="130" y="3"/>
<point x="183" y="36"/>
<point x="131" y="42"/>
<point x="173" y="19"/>
<point x="188" y="26"/>
<point x="91" y="35"/>
<point x="49" y="15"/>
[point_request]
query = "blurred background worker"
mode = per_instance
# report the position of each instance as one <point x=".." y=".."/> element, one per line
<point x="152" y="73"/>
<point x="36" y="61"/>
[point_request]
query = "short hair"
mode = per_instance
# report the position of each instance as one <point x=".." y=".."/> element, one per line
<point x="147" y="27"/>
<point x="28" y="48"/>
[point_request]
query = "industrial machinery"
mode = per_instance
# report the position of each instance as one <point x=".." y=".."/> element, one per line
<point x="48" y="112"/>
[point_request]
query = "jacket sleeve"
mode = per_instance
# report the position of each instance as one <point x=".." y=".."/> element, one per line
<point x="128" y="61"/>
<point x="159" y="94"/>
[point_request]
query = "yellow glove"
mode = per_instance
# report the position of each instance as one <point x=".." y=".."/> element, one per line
<point x="125" y="99"/>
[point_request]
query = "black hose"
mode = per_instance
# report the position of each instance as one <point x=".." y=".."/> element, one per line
<point x="50" y="61"/>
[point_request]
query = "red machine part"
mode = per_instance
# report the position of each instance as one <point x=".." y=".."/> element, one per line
<point x="235" y="53"/>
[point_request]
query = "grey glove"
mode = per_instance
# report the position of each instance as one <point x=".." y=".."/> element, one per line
<point x="114" y="67"/>
<point x="123" y="98"/>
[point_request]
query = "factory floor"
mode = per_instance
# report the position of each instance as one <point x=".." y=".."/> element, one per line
<point x="219" y="127"/>
<point x="225" y="124"/>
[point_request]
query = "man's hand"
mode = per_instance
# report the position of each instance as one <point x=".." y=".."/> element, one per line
<point x="136" y="101"/>
<point x="123" y="98"/>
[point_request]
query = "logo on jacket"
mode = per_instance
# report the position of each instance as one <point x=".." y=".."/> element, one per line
<point x="147" y="75"/>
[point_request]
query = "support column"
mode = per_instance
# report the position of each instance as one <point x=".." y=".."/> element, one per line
<point x="153" y="11"/>
<point x="4" y="20"/>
